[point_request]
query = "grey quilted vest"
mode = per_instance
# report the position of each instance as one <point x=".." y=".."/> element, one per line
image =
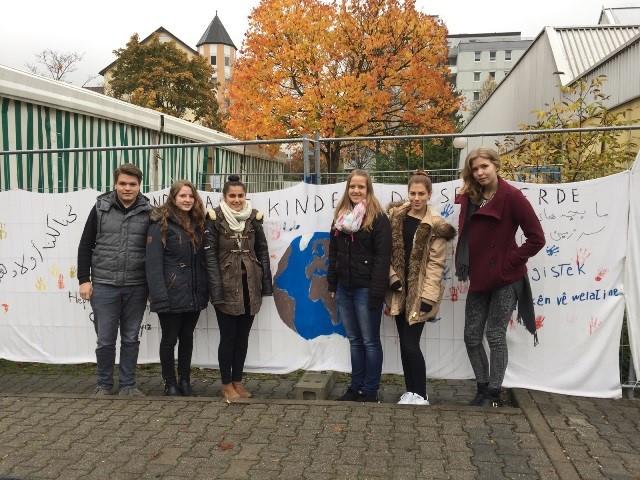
<point x="118" y="258"/>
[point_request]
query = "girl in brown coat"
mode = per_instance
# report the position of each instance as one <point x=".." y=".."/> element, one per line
<point x="419" y="242"/>
<point x="239" y="276"/>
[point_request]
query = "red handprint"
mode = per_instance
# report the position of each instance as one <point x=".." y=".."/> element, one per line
<point x="454" y="294"/>
<point x="581" y="256"/>
<point x="539" y="322"/>
<point x="601" y="273"/>
<point x="60" y="282"/>
<point x="5" y="307"/>
<point x="594" y="324"/>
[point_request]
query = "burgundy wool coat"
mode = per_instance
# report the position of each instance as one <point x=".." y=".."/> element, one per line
<point x="495" y="259"/>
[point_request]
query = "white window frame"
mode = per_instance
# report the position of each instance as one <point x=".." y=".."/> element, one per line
<point x="477" y="56"/>
<point x="492" y="53"/>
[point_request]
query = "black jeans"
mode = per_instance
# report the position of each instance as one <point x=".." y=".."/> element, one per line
<point x="177" y="327"/>
<point x="415" y="372"/>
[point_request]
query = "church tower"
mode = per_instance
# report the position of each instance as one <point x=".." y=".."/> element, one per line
<point x="218" y="48"/>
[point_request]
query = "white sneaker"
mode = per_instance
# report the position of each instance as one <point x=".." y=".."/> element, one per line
<point x="418" y="400"/>
<point x="406" y="399"/>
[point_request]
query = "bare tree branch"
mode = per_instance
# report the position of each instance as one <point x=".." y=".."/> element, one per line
<point x="56" y="64"/>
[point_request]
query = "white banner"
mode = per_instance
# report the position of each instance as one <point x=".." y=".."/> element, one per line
<point x="632" y="271"/>
<point x="576" y="281"/>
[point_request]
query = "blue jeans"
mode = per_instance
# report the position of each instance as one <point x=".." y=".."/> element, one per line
<point x="362" y="326"/>
<point x="115" y="307"/>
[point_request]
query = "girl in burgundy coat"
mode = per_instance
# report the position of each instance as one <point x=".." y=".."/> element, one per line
<point x="489" y="257"/>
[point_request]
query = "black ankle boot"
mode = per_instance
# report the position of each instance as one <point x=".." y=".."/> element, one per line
<point x="349" y="396"/>
<point x="185" y="387"/>
<point x="492" y="398"/>
<point x="480" y="394"/>
<point x="171" y="389"/>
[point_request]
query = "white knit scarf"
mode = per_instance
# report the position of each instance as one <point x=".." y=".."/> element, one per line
<point x="236" y="220"/>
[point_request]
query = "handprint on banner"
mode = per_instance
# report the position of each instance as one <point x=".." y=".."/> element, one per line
<point x="594" y="324"/>
<point x="463" y="287"/>
<point x="61" y="282"/>
<point x="73" y="271"/>
<point x="5" y="307"/>
<point x="272" y="230"/>
<point x="54" y="270"/>
<point x="601" y="273"/>
<point x="3" y="232"/>
<point x="553" y="250"/>
<point x="582" y="255"/>
<point x="539" y="322"/>
<point x="454" y="294"/>
<point x="446" y="211"/>
<point x="41" y="285"/>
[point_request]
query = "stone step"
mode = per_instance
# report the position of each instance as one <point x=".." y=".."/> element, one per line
<point x="315" y="385"/>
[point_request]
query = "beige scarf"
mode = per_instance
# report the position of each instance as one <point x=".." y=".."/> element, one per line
<point x="236" y="220"/>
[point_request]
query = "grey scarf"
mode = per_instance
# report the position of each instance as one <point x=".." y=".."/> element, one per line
<point x="462" y="252"/>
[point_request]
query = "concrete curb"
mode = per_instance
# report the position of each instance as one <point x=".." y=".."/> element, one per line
<point x="564" y="467"/>
<point x="267" y="401"/>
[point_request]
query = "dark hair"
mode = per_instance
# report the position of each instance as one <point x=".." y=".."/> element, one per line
<point x="127" y="169"/>
<point x="233" y="181"/>
<point x="420" y="176"/>
<point x="191" y="222"/>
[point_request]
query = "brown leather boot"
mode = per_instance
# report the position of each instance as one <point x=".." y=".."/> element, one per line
<point x="243" y="392"/>
<point x="229" y="393"/>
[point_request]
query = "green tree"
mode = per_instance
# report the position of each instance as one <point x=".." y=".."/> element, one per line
<point x="161" y="76"/>
<point x="572" y="156"/>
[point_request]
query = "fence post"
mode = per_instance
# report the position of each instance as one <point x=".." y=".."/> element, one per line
<point x="317" y="157"/>
<point x="305" y="158"/>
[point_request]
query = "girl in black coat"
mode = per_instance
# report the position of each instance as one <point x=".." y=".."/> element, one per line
<point x="358" y="276"/>
<point x="177" y="279"/>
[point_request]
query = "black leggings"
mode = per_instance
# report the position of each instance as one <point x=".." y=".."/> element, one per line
<point x="234" y="340"/>
<point x="177" y="326"/>
<point x="415" y="372"/>
<point x="234" y="343"/>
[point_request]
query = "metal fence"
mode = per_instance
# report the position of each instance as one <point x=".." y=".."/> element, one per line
<point x="308" y="160"/>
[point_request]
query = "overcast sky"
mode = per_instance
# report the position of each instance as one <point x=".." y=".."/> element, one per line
<point x="96" y="29"/>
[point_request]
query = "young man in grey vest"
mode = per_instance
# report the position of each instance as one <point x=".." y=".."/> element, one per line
<point x="112" y="276"/>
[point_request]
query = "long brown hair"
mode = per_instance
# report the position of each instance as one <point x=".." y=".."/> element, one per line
<point x="192" y="222"/>
<point x="373" y="206"/>
<point x="470" y="186"/>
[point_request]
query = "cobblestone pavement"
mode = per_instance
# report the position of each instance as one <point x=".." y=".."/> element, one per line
<point x="206" y="383"/>
<point x="52" y="428"/>
<point x="600" y="437"/>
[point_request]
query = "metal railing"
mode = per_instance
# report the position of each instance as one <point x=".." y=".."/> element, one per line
<point x="307" y="152"/>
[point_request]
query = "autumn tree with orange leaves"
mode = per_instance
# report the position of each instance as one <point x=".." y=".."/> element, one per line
<point x="349" y="68"/>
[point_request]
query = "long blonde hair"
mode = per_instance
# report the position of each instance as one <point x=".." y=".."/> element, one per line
<point x="470" y="186"/>
<point x="373" y="206"/>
